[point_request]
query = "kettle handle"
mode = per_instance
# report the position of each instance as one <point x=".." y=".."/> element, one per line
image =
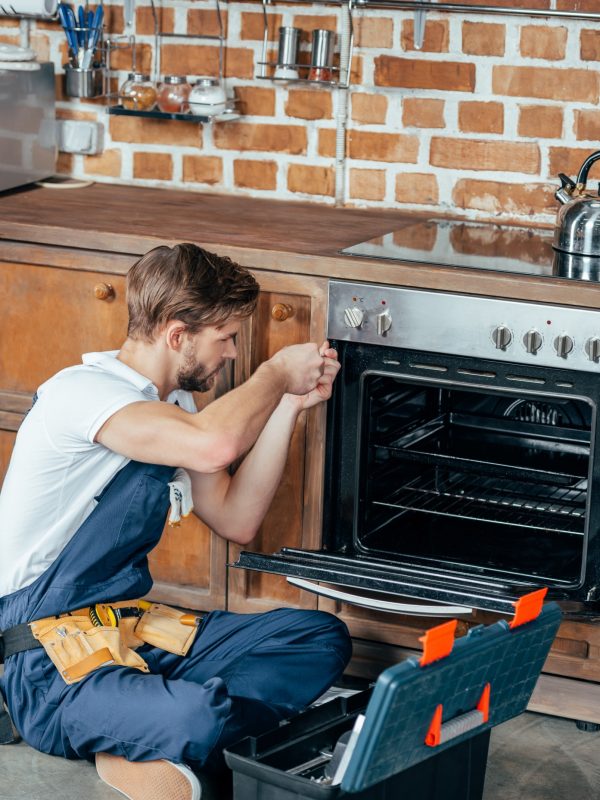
<point x="585" y="168"/>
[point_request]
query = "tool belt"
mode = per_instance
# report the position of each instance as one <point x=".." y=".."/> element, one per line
<point x="82" y="641"/>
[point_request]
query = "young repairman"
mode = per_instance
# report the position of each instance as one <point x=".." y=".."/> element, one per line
<point x="92" y="670"/>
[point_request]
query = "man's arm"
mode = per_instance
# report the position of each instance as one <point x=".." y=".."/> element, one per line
<point x="161" y="433"/>
<point x="235" y="506"/>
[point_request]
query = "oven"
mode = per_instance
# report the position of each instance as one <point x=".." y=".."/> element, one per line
<point x="460" y="453"/>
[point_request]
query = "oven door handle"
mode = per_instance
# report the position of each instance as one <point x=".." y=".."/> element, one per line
<point x="378" y="604"/>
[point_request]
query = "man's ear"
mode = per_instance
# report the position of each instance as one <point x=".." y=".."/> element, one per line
<point x="175" y="333"/>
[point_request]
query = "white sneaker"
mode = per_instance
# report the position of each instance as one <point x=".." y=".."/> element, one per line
<point x="148" y="780"/>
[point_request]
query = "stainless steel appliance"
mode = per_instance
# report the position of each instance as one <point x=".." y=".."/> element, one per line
<point x="27" y="126"/>
<point x="577" y="234"/>
<point x="461" y="461"/>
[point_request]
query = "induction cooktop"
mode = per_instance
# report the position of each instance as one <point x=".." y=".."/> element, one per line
<point x="476" y="245"/>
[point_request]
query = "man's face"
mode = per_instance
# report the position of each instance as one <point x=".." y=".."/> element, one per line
<point x="204" y="354"/>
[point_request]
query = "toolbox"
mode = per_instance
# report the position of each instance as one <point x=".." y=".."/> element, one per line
<point x="420" y="733"/>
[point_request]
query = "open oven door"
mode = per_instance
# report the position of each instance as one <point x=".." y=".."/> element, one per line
<point x="439" y="592"/>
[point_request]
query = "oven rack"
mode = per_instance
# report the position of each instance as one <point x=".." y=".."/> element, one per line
<point x="536" y="506"/>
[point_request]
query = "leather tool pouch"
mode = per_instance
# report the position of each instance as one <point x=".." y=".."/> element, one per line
<point x="77" y="648"/>
<point x="167" y="628"/>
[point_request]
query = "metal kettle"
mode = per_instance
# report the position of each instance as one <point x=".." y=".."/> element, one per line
<point x="577" y="233"/>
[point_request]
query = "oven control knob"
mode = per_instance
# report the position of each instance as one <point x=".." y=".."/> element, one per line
<point x="563" y="345"/>
<point x="532" y="341"/>
<point x="502" y="337"/>
<point x="354" y="316"/>
<point x="384" y="322"/>
<point x="592" y="348"/>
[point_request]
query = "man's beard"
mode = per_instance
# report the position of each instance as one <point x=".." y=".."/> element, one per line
<point x="193" y="377"/>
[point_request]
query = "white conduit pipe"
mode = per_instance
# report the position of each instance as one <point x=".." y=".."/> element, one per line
<point x="342" y="106"/>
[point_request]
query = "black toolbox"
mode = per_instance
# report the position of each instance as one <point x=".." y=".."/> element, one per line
<point x="421" y="733"/>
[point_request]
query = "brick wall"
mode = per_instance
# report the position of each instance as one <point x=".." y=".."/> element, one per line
<point x="478" y="122"/>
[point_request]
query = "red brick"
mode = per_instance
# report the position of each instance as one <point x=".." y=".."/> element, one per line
<point x="144" y="20"/>
<point x="416" y="188"/>
<point x="374" y="32"/>
<point x="311" y="180"/>
<point x="367" y="184"/>
<point x="483" y="39"/>
<point x="245" y="136"/>
<point x="577" y="5"/>
<point x="567" y="160"/>
<point x="253" y="26"/>
<point x="478" y="117"/>
<point x="310" y="22"/>
<point x="108" y="163"/>
<point x="255" y="101"/>
<point x="121" y="58"/>
<point x="153" y="166"/>
<point x="493" y="197"/>
<point x="308" y="104"/>
<point x="177" y="59"/>
<point x="255" y="174"/>
<point x="587" y="124"/>
<point x="589" y="49"/>
<point x="547" y="82"/>
<point x="419" y="112"/>
<point x="139" y="130"/>
<point x="327" y="142"/>
<point x="205" y="22"/>
<point x="485" y="155"/>
<point x="421" y="74"/>
<point x="389" y="147"/>
<point x="369" y="109"/>
<point x="541" y="41"/>
<point x="202" y="169"/>
<point x="64" y="163"/>
<point x="435" y="40"/>
<point x="540" y="122"/>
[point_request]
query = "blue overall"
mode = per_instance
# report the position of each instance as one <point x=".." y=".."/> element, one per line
<point x="243" y="674"/>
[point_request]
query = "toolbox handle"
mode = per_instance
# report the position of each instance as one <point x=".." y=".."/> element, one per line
<point x="441" y="732"/>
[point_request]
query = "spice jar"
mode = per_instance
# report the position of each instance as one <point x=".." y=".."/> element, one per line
<point x="173" y="94"/>
<point x="138" y="92"/>
<point x="207" y="97"/>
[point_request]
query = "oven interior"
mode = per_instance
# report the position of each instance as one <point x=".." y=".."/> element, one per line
<point x="478" y="481"/>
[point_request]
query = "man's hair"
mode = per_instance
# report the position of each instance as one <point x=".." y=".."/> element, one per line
<point x="186" y="283"/>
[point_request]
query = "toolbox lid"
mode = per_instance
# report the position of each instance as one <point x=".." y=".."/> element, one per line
<point x="461" y="688"/>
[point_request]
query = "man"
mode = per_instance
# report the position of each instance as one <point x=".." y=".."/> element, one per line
<point x="97" y="673"/>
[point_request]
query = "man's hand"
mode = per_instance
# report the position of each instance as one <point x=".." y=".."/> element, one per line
<point x="322" y="391"/>
<point x="301" y="365"/>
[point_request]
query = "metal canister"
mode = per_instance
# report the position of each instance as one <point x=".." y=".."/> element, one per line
<point x="289" y="39"/>
<point x="322" y="48"/>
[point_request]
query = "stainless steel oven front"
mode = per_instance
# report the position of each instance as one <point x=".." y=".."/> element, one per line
<point x="460" y="457"/>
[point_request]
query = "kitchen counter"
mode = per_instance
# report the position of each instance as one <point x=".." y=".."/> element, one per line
<point x="109" y="224"/>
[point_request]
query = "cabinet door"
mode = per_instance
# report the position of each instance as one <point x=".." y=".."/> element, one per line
<point x="291" y="310"/>
<point x="51" y="316"/>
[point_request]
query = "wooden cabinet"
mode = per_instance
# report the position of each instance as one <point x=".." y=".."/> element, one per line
<point x="291" y="310"/>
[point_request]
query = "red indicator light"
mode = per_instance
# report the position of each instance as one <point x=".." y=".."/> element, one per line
<point x="383" y="302"/>
<point x="548" y="322"/>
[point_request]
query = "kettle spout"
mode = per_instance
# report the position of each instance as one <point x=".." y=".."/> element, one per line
<point x="565" y="193"/>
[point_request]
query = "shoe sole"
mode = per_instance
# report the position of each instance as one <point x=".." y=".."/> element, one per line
<point x="143" y="780"/>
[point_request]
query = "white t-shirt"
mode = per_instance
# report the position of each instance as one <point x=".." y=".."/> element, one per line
<point x="57" y="469"/>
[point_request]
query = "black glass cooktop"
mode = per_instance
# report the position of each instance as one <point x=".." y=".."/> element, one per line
<point x="477" y="245"/>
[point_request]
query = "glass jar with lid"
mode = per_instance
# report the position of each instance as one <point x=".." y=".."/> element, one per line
<point x="138" y="93"/>
<point x="207" y="97"/>
<point x="173" y="94"/>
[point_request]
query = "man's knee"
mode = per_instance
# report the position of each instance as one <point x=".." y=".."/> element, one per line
<point x="330" y="633"/>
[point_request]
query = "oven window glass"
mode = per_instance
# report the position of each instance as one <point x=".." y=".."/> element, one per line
<point x="473" y="481"/>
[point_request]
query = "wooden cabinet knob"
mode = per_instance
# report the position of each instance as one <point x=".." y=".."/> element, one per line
<point x="103" y="291"/>
<point x="281" y="311"/>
